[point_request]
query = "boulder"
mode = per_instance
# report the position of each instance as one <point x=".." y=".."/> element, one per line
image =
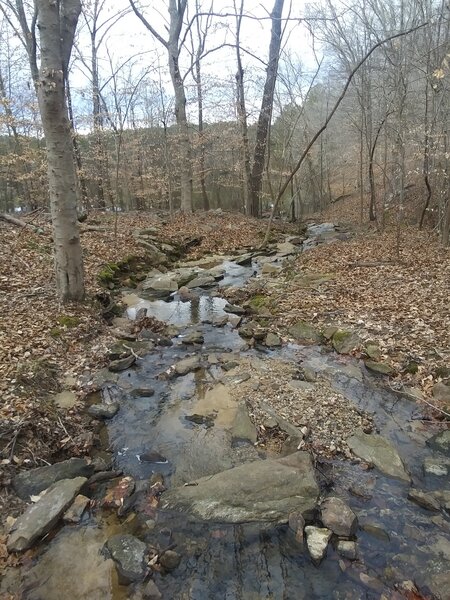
<point x="373" y="350"/>
<point x="378" y="451"/>
<point x="41" y="517"/>
<point x="103" y="411"/>
<point x="129" y="555"/>
<point x="234" y="309"/>
<point x="194" y="337"/>
<point x="441" y="442"/>
<point x="304" y="333"/>
<point x="317" y="539"/>
<point x="338" y="517"/>
<point x="286" y="249"/>
<point x="263" y="490"/>
<point x="33" y="482"/>
<point x="243" y="428"/>
<point x="345" y="342"/>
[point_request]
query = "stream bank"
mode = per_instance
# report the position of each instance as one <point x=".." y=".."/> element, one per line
<point x="197" y="402"/>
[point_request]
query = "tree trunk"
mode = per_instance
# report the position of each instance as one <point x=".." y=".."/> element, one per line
<point x="265" y="115"/>
<point x="57" y="24"/>
<point x="184" y="144"/>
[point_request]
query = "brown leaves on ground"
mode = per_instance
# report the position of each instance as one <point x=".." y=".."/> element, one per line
<point x="401" y="303"/>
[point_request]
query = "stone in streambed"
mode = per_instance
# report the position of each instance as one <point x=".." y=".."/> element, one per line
<point x="345" y="341"/>
<point x="129" y="555"/>
<point x="170" y="560"/>
<point x="33" y="482"/>
<point x="121" y="364"/>
<point x="151" y="591"/>
<point x="194" y="337"/>
<point x="234" y="309"/>
<point x="317" y="539"/>
<point x="303" y="333"/>
<point x="441" y="442"/>
<point x="380" y="452"/>
<point x="202" y="281"/>
<point x="75" y="512"/>
<point x="272" y="340"/>
<point x="338" y="517"/>
<point x="103" y="411"/>
<point x="378" y="367"/>
<point x="243" y="428"/>
<point x="424" y="500"/>
<point x="347" y="549"/>
<point x="187" y="365"/>
<point x="263" y="490"/>
<point x="142" y="392"/>
<point x="41" y="517"/>
<point x="436" y="466"/>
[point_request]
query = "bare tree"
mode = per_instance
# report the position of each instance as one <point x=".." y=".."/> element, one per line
<point x="173" y="45"/>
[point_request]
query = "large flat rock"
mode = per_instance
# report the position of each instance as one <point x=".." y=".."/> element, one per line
<point x="262" y="490"/>
<point x="33" y="482"/>
<point x="380" y="452"/>
<point x="41" y="517"/>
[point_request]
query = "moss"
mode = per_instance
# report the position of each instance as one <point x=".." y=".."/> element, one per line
<point x="68" y="321"/>
<point x="258" y="301"/>
<point x="412" y="367"/>
<point x="55" y="332"/>
<point x="108" y="273"/>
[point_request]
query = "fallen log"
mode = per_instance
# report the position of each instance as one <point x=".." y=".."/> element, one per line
<point x="19" y="223"/>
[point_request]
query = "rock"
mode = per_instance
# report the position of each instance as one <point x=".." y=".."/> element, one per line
<point x="122" y="363"/>
<point x="103" y="411"/>
<point x="234" y="309"/>
<point x="185" y="294"/>
<point x="301" y="385"/>
<point x="243" y="428"/>
<point x="441" y="442"/>
<point x="151" y="591"/>
<point x="202" y="281"/>
<point x="347" y="549"/>
<point x="328" y="332"/>
<point x="272" y="340"/>
<point x="376" y="531"/>
<point x="170" y="560"/>
<point x="378" y="367"/>
<point x="263" y="490"/>
<point x="129" y="555"/>
<point x="200" y="419"/>
<point x="142" y="392"/>
<point x="75" y="512"/>
<point x="286" y="249"/>
<point x="297" y="524"/>
<point x="378" y="451"/>
<point x="234" y="320"/>
<point x="270" y="423"/>
<point x="270" y="269"/>
<point x="161" y="285"/>
<point x="338" y="517"/>
<point x="302" y="332"/>
<point x="441" y="392"/>
<point x="41" y="517"/>
<point x="436" y="466"/>
<point x="153" y="457"/>
<point x="194" y="337"/>
<point x="72" y="566"/>
<point x="424" y="500"/>
<point x="33" y="482"/>
<point x="187" y="365"/>
<point x="317" y="539"/>
<point x="244" y="260"/>
<point x="65" y="399"/>
<point x="345" y="342"/>
<point x="373" y="350"/>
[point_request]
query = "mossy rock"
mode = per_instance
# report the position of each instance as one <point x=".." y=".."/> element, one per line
<point x="373" y="350"/>
<point x="68" y="321"/>
<point x="328" y="332"/>
<point x="412" y="367"/>
<point x="55" y="332"/>
<point x="260" y="304"/>
<point x="305" y="333"/>
<point x="108" y="273"/>
<point x="345" y="341"/>
<point x="379" y="367"/>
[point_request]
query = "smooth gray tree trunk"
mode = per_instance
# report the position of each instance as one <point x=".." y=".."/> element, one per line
<point x="56" y="24"/>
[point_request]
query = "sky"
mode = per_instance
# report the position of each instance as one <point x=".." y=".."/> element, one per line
<point x="129" y="37"/>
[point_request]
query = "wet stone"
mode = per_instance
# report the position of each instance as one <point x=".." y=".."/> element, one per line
<point x="272" y="340"/>
<point x="441" y="442"/>
<point x="75" y="512"/>
<point x="129" y="555"/>
<point x="378" y="451"/>
<point x="317" y="539"/>
<point x="187" y="365"/>
<point x="151" y="591"/>
<point x="170" y="560"/>
<point x="33" y="482"/>
<point x="121" y="364"/>
<point x="41" y="517"/>
<point x="234" y="309"/>
<point x="195" y="337"/>
<point x="142" y="392"/>
<point x="103" y="411"/>
<point x="424" y="500"/>
<point x="347" y="549"/>
<point x="338" y="517"/>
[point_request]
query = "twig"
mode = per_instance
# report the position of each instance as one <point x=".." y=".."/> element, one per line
<point x="421" y="400"/>
<point x="132" y="352"/>
<point x="65" y="430"/>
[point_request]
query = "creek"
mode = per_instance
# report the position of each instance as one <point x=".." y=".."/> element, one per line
<point x="397" y="540"/>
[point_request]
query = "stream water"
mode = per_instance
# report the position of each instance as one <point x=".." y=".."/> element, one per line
<point x="397" y="540"/>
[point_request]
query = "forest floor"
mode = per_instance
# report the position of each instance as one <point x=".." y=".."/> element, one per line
<point x="399" y="301"/>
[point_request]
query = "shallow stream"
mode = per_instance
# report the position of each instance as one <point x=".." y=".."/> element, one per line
<point x="397" y="539"/>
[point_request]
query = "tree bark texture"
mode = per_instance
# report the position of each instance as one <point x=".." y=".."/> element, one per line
<point x="265" y="115"/>
<point x="57" y="22"/>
